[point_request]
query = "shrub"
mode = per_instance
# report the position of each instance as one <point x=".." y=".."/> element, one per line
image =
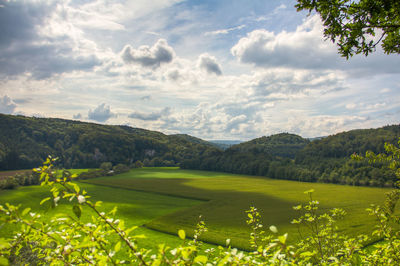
<point x="120" y="168"/>
<point x="8" y="182"/>
<point x="92" y="173"/>
<point x="106" y="166"/>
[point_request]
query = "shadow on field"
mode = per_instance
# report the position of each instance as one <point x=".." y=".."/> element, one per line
<point x="223" y="211"/>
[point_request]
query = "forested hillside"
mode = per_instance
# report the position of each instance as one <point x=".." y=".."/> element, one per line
<point x="288" y="156"/>
<point x="26" y="141"/>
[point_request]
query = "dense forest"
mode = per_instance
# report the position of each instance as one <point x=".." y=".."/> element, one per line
<point x="26" y="141"/>
<point x="288" y="156"/>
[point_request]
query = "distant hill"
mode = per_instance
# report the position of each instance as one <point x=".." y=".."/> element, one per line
<point x="288" y="156"/>
<point x="282" y="145"/>
<point x="346" y="143"/>
<point x="26" y="141"/>
<point x="193" y="139"/>
<point x="225" y="144"/>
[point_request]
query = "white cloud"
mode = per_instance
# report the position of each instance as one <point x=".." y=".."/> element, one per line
<point x="153" y="116"/>
<point x="7" y="105"/>
<point x="37" y="40"/>
<point x="209" y="64"/>
<point x="101" y="113"/>
<point x="147" y="56"/>
<point x="224" y="31"/>
<point x="77" y="116"/>
<point x="303" y="48"/>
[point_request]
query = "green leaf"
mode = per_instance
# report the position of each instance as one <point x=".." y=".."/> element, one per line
<point x="182" y="234"/>
<point x="273" y="229"/>
<point x="306" y="254"/>
<point x="283" y="238"/>
<point x="3" y="244"/>
<point x="117" y="247"/>
<point x="24" y="212"/>
<point x="131" y="229"/>
<point x="201" y="259"/>
<point x="76" y="187"/>
<point x="44" y="200"/>
<point x="156" y="262"/>
<point x="309" y="191"/>
<point x="3" y="261"/>
<point x="77" y="210"/>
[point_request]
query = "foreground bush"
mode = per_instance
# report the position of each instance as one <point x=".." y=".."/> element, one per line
<point x="105" y="240"/>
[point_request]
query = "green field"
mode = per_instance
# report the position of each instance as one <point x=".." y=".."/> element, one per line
<point x="135" y="208"/>
<point x="169" y="199"/>
<point x="228" y="196"/>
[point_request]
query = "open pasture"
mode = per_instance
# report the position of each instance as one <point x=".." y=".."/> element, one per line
<point x="226" y="197"/>
<point x="135" y="208"/>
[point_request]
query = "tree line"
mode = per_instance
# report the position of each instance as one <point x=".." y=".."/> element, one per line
<point x="26" y="141"/>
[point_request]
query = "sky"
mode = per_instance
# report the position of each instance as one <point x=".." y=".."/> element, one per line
<point x="228" y="70"/>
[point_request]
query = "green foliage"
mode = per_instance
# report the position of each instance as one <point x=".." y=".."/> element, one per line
<point x="65" y="239"/>
<point x="358" y="26"/>
<point x="26" y="141"/>
<point x="120" y="168"/>
<point x="138" y="164"/>
<point x="324" y="160"/>
<point x="106" y="166"/>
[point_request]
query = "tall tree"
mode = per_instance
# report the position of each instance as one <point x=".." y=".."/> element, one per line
<point x="357" y="27"/>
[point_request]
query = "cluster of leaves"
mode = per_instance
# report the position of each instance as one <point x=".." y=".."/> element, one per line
<point x="65" y="239"/>
<point x="353" y="25"/>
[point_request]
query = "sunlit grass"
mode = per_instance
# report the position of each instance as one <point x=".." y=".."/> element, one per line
<point x="169" y="199"/>
<point x="227" y="196"/>
<point x="135" y="208"/>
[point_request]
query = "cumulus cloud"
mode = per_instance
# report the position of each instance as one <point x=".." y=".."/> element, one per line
<point x="303" y="48"/>
<point x="235" y="122"/>
<point x="29" y="46"/>
<point x="101" y="113"/>
<point x="323" y="125"/>
<point x="147" y="56"/>
<point x="7" y="106"/>
<point x="283" y="83"/>
<point x="153" y="116"/>
<point x="209" y="64"/>
<point x="77" y="116"/>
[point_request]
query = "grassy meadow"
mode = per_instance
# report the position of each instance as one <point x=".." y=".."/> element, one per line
<point x="227" y="197"/>
<point x="135" y="208"/>
<point x="163" y="200"/>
